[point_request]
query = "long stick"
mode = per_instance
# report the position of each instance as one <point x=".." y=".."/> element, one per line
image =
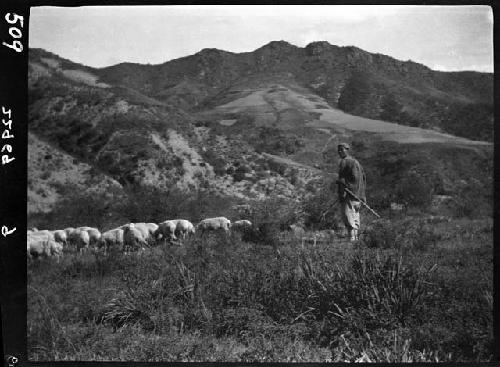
<point x="361" y="201"/>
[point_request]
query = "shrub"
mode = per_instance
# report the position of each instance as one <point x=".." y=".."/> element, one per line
<point x="419" y="235"/>
<point x="277" y="167"/>
<point x="322" y="207"/>
<point x="355" y="93"/>
<point x="470" y="204"/>
<point x="389" y="285"/>
<point x="239" y="173"/>
<point x="415" y="190"/>
<point x="123" y="310"/>
<point x="271" y="216"/>
<point x="381" y="234"/>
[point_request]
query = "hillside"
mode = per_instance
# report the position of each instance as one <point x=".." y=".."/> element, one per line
<point x="52" y="173"/>
<point x="253" y="124"/>
<point x="132" y="138"/>
<point x="356" y="81"/>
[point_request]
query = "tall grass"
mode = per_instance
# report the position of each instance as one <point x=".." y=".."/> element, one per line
<point x="219" y="298"/>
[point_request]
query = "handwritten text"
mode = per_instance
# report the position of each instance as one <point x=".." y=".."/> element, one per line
<point x="15" y="32"/>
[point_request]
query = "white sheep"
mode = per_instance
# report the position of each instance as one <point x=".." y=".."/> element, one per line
<point x="213" y="224"/>
<point x="44" y="232"/>
<point x="68" y="231"/>
<point x="184" y="227"/>
<point x="132" y="238"/>
<point x="166" y="230"/>
<point x="43" y="246"/>
<point x="40" y="236"/>
<point x="60" y="236"/>
<point x="147" y="230"/>
<point x="241" y="224"/>
<point x="94" y="235"/>
<point x="112" y="240"/>
<point x="152" y="227"/>
<point x="80" y="239"/>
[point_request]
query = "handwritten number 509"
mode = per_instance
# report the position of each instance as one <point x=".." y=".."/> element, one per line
<point x="14" y="32"/>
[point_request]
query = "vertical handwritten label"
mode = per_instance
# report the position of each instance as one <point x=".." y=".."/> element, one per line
<point x="7" y="148"/>
<point x="6" y="231"/>
<point x="15" y="31"/>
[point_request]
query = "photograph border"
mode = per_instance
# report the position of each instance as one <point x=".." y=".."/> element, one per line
<point x="13" y="214"/>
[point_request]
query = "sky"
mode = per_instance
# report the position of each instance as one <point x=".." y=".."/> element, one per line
<point x="447" y="38"/>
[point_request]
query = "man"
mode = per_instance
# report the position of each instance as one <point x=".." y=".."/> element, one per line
<point x="352" y="177"/>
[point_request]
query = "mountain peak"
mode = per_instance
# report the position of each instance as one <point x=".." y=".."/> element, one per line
<point x="212" y="51"/>
<point x="318" y="47"/>
<point x="278" y="45"/>
<point x="319" y="44"/>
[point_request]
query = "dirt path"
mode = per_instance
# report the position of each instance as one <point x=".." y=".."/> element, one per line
<point x="328" y="132"/>
<point x="288" y="98"/>
<point x="389" y="130"/>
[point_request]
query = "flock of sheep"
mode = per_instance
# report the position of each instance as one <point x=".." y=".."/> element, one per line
<point x="127" y="238"/>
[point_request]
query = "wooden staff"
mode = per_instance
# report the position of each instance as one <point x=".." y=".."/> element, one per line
<point x="361" y="201"/>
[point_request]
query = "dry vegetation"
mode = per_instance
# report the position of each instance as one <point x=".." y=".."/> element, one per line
<point x="415" y="288"/>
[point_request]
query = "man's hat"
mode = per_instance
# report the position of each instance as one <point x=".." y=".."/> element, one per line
<point x="345" y="145"/>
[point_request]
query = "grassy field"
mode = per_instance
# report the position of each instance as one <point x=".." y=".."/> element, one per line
<point x="413" y="289"/>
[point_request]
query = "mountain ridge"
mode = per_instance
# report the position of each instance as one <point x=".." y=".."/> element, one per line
<point x="247" y="123"/>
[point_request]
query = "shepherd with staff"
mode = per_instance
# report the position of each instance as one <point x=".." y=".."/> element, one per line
<point x="351" y="187"/>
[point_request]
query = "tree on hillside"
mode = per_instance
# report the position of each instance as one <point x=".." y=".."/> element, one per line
<point x="355" y="93"/>
<point x="390" y="108"/>
<point x="414" y="190"/>
<point x="472" y="121"/>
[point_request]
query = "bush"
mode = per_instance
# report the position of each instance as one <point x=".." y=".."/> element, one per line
<point x="355" y="93"/>
<point x="381" y="234"/>
<point x="419" y="235"/>
<point x="272" y="216"/>
<point x="322" y="207"/>
<point x="415" y="190"/>
<point x="277" y="167"/>
<point x="390" y="286"/>
<point x="239" y="173"/>
<point x="123" y="310"/>
<point x="471" y="203"/>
